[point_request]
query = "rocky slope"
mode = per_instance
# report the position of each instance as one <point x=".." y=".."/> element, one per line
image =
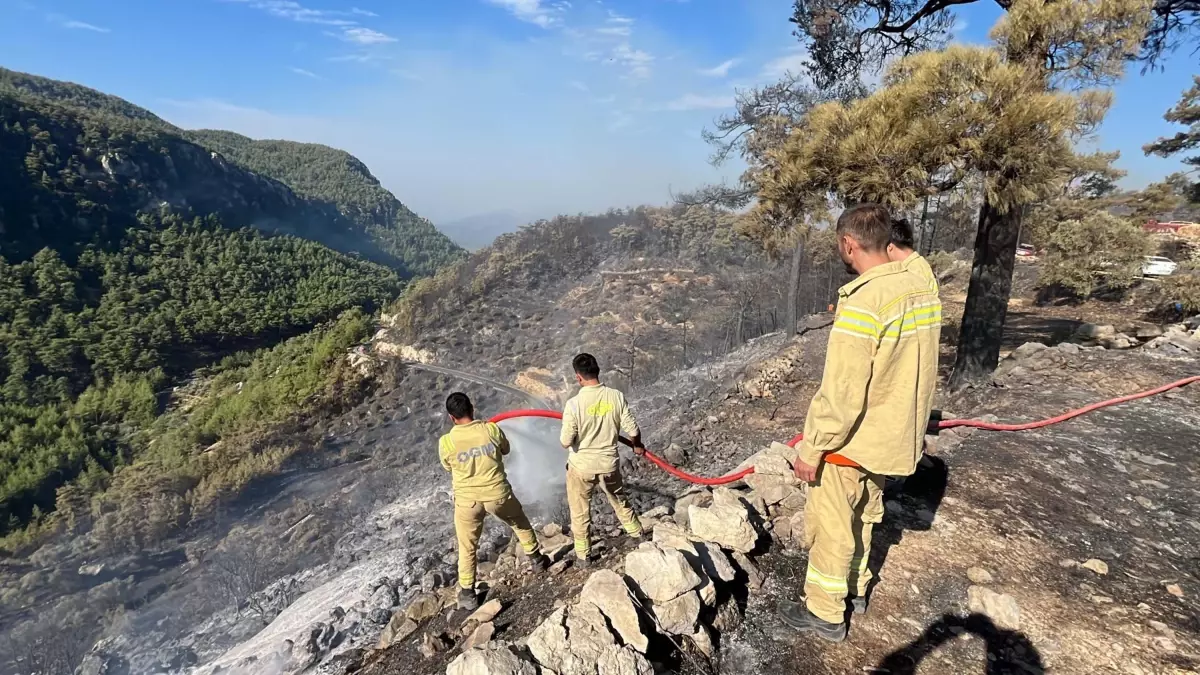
<point x="1069" y="548"/>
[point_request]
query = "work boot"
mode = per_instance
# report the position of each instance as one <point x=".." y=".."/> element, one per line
<point x="797" y="616"/>
<point x="585" y="563"/>
<point x="539" y="562"/>
<point x="858" y="604"/>
<point x="468" y="599"/>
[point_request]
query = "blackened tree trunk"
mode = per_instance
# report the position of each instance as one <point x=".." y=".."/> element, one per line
<point x="987" y="296"/>
<point x="794" y="286"/>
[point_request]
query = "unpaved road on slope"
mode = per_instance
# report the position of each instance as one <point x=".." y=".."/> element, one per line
<point x="479" y="379"/>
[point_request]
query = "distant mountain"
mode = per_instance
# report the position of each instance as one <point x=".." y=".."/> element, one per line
<point x="336" y="177"/>
<point x="133" y="252"/>
<point x="480" y="230"/>
<point x="308" y="190"/>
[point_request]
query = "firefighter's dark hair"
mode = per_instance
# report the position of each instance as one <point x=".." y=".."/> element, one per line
<point x="869" y="224"/>
<point x="586" y="366"/>
<point x="459" y="406"/>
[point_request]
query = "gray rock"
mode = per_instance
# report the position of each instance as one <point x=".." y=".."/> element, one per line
<point x="1093" y="331"/>
<point x="491" y="659"/>
<point x="480" y="636"/>
<point x="754" y="576"/>
<point x="979" y="575"/>
<point x="675" y="455"/>
<point x="486" y="612"/>
<point x="398" y="628"/>
<point x="699" y="497"/>
<point x="425" y="606"/>
<point x="571" y="640"/>
<point x="1002" y="609"/>
<point x="379" y="616"/>
<point x="432" y="645"/>
<point x="1148" y="332"/>
<point x="724" y="522"/>
<point x="669" y="535"/>
<point x="1027" y="350"/>
<point x="658" y="512"/>
<point x="678" y="616"/>
<point x="715" y="563"/>
<point x="1098" y="566"/>
<point x="608" y="591"/>
<point x="101" y="662"/>
<point x="616" y="660"/>
<point x="729" y="617"/>
<point x="385" y="597"/>
<point x="660" y="574"/>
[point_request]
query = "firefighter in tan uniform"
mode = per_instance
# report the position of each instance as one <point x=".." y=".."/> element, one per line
<point x="868" y="419"/>
<point x="900" y="249"/>
<point x="592" y="422"/>
<point x="473" y="452"/>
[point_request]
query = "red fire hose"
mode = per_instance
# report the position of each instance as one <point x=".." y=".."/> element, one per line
<point x="943" y="424"/>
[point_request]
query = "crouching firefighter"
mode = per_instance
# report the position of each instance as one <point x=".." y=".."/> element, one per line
<point x="473" y="452"/>
<point x="592" y="423"/>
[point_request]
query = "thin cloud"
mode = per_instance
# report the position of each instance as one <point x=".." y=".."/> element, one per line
<point x="721" y="69"/>
<point x="576" y="84"/>
<point x="72" y="24"/>
<point x="792" y="62"/>
<point x="530" y="11"/>
<point x="363" y="12"/>
<point x="635" y="61"/>
<point x="620" y="31"/>
<point x="306" y="73"/>
<point x="613" y="17"/>
<point x="365" y="36"/>
<point x="294" y="11"/>
<point x="699" y="102"/>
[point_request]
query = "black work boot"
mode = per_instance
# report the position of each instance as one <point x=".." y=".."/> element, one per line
<point x="539" y="562"/>
<point x="468" y="599"/>
<point x="858" y="604"/>
<point x="797" y="616"/>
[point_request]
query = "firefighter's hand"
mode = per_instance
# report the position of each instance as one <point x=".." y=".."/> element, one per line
<point x="639" y="450"/>
<point x="805" y="472"/>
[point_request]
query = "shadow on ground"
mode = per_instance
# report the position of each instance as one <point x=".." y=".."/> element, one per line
<point x="1007" y="651"/>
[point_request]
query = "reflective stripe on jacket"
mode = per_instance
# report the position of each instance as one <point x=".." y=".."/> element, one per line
<point x="474" y="455"/>
<point x="880" y="371"/>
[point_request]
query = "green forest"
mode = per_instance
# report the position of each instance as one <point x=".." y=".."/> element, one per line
<point x="133" y="260"/>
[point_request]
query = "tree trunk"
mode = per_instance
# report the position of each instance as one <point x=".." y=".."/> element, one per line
<point x="794" y="286"/>
<point x="987" y="296"/>
<point x="919" y="233"/>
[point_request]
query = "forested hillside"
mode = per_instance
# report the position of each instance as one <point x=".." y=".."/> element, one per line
<point x="335" y="176"/>
<point x="130" y="256"/>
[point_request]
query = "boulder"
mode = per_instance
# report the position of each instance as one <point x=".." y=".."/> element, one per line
<point x="385" y="597"/>
<point x="571" y="640"/>
<point x="729" y="616"/>
<point x="698" y="497"/>
<point x="398" y="628"/>
<point x="1118" y="341"/>
<point x="486" y="612"/>
<point x="703" y="641"/>
<point x="616" y="660"/>
<point x="726" y="522"/>
<point x="669" y="535"/>
<point x="773" y="489"/>
<point x="491" y="659"/>
<point x="678" y="616"/>
<point x="754" y="576"/>
<point x="552" y="530"/>
<point x="424" y="606"/>
<point x="1000" y="608"/>
<point x="432" y="645"/>
<point x="715" y="562"/>
<point x="480" y="636"/>
<point x="658" y="512"/>
<point x="608" y="591"/>
<point x="1148" y="332"/>
<point x="660" y="574"/>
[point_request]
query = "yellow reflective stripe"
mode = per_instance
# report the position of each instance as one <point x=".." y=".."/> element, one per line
<point x="634" y="528"/>
<point x="529" y="547"/>
<point x="855" y="330"/>
<point x="859" y="564"/>
<point x="825" y="582"/>
<point x="582" y="547"/>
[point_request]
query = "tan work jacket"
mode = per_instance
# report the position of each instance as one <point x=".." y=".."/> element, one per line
<point x="880" y="371"/>
<point x="592" y="422"/>
<point x="474" y="455"/>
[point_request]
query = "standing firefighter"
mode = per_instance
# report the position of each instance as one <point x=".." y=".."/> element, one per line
<point x="868" y="419"/>
<point x="473" y="452"/>
<point x="900" y="249"/>
<point x="592" y="422"/>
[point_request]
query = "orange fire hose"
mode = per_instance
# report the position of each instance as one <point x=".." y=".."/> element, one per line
<point x="944" y="424"/>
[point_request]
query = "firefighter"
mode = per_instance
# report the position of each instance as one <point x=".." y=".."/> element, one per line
<point x="473" y="452"/>
<point x="592" y="422"/>
<point x="867" y="420"/>
<point x="900" y="248"/>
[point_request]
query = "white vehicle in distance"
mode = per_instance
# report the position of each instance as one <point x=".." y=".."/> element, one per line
<point x="1026" y="252"/>
<point x="1158" y="266"/>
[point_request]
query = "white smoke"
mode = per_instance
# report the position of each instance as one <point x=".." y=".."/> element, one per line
<point x="536" y="465"/>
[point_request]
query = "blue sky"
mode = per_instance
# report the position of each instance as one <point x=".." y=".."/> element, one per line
<point x="468" y="106"/>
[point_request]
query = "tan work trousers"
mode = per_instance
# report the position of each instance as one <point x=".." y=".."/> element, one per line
<point x="468" y="524"/>
<point x="579" y="498"/>
<point x="843" y="507"/>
